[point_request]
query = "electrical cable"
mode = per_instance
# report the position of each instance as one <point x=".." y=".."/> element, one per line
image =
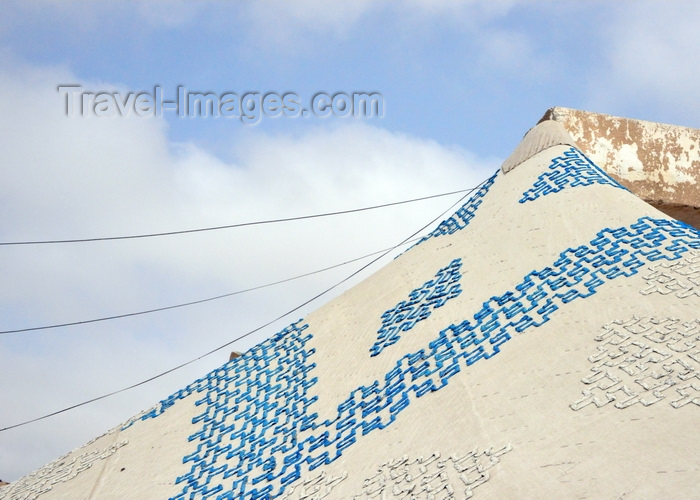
<point x="194" y="302"/>
<point x="228" y="226"/>
<point x="296" y="308"/>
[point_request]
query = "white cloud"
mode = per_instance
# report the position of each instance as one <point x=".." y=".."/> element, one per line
<point x="290" y="26"/>
<point x="74" y="177"/>
<point x="513" y="54"/>
<point x="461" y="12"/>
<point x="167" y="14"/>
<point x="293" y="26"/>
<point x="652" y="59"/>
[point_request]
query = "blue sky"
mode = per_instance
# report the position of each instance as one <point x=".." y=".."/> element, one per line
<point x="462" y="83"/>
<point x="442" y="67"/>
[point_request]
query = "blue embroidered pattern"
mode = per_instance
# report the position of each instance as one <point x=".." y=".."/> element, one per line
<point x="461" y="218"/>
<point x="570" y="170"/>
<point x="255" y="406"/>
<point x="407" y="313"/>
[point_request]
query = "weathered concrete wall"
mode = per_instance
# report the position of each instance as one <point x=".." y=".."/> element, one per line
<point x="540" y="343"/>
<point x="544" y="135"/>
<point x="657" y="162"/>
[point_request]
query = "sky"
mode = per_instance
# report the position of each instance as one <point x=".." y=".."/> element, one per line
<point x="461" y="83"/>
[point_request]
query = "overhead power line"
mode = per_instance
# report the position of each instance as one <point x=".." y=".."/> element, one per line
<point x="194" y="302"/>
<point x="182" y="365"/>
<point x="229" y="226"/>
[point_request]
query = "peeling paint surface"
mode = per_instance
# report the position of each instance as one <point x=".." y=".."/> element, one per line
<point x="657" y="162"/>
